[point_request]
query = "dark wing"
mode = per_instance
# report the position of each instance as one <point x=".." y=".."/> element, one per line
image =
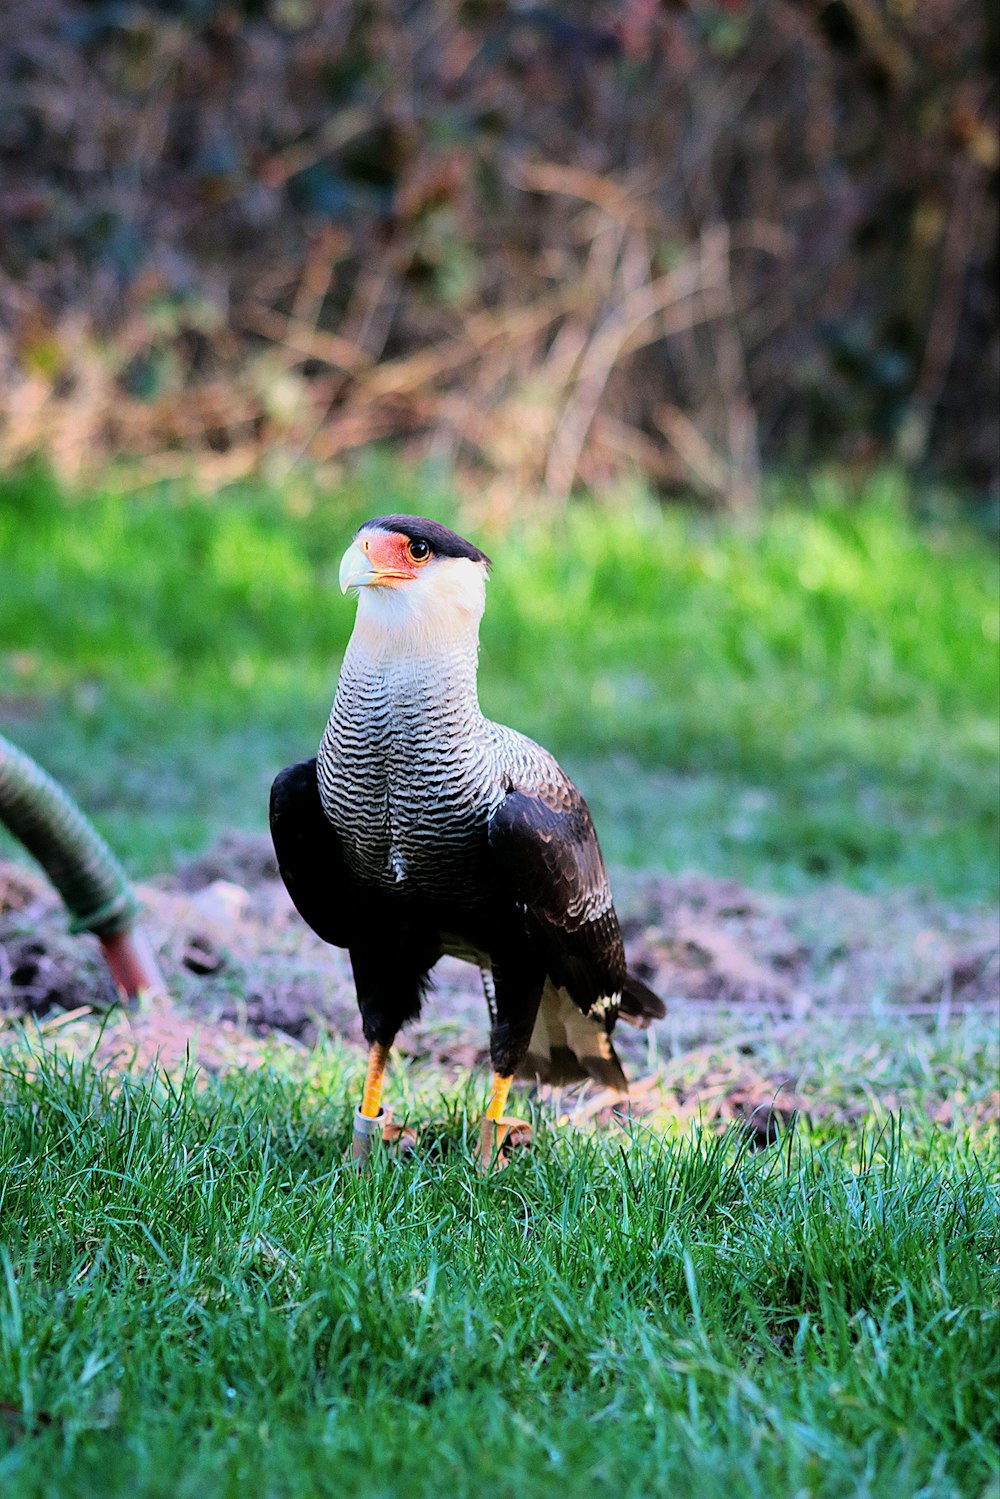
<point x="639" y="1004"/>
<point x="550" y="863"/>
<point x="309" y="855"/>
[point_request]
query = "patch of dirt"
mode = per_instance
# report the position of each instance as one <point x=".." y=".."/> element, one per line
<point x="242" y="970"/>
<point x="832" y="949"/>
<point x="243" y="858"/>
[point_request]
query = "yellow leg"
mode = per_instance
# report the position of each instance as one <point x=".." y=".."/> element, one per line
<point x="495" y="1127"/>
<point x="371" y="1101"/>
<point x="498" y="1102"/>
<point x="368" y="1119"/>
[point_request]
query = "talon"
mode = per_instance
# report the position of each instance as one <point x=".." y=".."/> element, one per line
<point x="497" y="1137"/>
<point x="519" y="1135"/>
<point x="400" y="1138"/>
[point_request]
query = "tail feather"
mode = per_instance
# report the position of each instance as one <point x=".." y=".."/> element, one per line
<point x="568" y="1047"/>
<point x="639" y="1005"/>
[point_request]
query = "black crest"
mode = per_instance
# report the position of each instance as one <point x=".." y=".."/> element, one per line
<point x="442" y="542"/>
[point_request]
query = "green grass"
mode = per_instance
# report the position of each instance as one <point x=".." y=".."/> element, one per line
<point x="809" y="696"/>
<point x="198" y="1299"/>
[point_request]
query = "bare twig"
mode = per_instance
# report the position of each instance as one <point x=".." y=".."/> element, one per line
<point x="625" y="329"/>
<point x="707" y="470"/>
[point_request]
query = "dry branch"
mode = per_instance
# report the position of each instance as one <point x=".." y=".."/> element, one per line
<point x="552" y="247"/>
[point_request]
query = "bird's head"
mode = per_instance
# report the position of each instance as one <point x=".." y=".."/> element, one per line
<point x="415" y="576"/>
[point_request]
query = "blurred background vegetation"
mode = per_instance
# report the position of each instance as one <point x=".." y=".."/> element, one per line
<point x="549" y="243"/>
<point x="687" y="310"/>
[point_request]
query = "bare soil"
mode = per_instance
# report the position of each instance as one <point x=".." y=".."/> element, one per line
<point x="742" y="973"/>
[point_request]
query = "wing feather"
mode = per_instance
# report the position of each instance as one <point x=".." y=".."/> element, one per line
<point x="549" y="860"/>
<point x="309" y="855"/>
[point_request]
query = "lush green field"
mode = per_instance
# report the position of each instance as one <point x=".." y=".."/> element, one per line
<point x="199" y="1299"/>
<point x="813" y="695"/>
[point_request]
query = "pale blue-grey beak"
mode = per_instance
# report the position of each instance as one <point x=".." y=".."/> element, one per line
<point x="356" y="569"/>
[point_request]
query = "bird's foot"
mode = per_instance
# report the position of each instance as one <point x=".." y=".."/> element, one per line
<point x="401" y="1139"/>
<point x="497" y="1138"/>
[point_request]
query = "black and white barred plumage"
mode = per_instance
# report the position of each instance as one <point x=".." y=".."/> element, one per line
<point x="423" y="828"/>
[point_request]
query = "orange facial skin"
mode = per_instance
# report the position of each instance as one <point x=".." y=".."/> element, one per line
<point x="390" y="554"/>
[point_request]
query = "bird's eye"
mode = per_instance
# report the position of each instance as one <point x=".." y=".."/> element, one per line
<point x="419" y="551"/>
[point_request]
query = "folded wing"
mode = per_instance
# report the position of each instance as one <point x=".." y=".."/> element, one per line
<point x="549" y="860"/>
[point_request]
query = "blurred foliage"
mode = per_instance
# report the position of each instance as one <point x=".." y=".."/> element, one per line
<point x="550" y="243"/>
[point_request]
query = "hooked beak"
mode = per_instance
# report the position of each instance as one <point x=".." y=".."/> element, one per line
<point x="356" y="569"/>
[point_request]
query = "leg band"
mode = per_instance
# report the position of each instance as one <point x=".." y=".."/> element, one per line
<point x="367" y="1131"/>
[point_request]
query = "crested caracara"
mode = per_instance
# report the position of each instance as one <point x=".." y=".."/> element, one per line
<point x="422" y="828"/>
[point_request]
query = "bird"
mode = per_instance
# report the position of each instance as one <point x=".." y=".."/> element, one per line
<point x="422" y="828"/>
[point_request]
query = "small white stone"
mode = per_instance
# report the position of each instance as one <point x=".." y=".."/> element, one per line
<point x="222" y="901"/>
